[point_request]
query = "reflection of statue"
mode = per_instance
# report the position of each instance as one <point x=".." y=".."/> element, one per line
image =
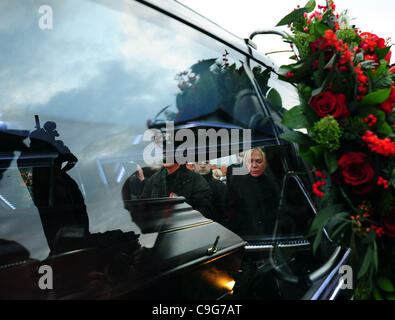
<point x="55" y="194"/>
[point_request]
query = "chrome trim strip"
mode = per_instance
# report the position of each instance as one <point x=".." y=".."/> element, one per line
<point x="186" y="226"/>
<point x="334" y="294"/>
<point x="330" y="276"/>
<point x="279" y="245"/>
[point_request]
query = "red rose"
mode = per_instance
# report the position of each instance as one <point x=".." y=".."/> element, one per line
<point x="326" y="103"/>
<point x="357" y="172"/>
<point x="389" y="223"/>
<point x="371" y="41"/>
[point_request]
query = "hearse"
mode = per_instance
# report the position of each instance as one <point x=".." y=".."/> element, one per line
<point x="88" y="92"/>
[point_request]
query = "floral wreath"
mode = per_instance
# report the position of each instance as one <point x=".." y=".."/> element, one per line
<point x="345" y="129"/>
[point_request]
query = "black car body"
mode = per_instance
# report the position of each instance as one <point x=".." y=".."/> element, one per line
<point x="82" y="83"/>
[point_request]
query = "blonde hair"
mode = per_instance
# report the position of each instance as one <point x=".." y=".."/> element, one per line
<point x="248" y="154"/>
<point x="217" y="174"/>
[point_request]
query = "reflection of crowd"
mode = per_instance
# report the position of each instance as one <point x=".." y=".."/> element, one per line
<point x="245" y="203"/>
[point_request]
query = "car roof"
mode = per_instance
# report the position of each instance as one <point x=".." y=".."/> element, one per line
<point x="192" y="18"/>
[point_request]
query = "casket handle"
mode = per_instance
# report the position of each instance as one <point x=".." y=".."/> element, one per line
<point x="214" y="248"/>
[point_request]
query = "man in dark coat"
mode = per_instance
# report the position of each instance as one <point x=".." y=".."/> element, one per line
<point x="134" y="185"/>
<point x="229" y="170"/>
<point x="220" y="192"/>
<point x="177" y="180"/>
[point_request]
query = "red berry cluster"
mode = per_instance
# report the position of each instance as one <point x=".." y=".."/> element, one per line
<point x="384" y="147"/>
<point x="383" y="182"/>
<point x="363" y="81"/>
<point x="379" y="230"/>
<point x="371" y="120"/>
<point x="316" y="185"/>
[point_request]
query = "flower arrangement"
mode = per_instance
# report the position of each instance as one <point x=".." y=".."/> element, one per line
<point x="345" y="129"/>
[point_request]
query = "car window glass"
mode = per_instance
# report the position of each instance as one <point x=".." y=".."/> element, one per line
<point x="81" y="82"/>
<point x="278" y="94"/>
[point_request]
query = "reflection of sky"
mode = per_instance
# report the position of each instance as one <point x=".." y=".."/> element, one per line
<point x="104" y="61"/>
<point x="94" y="68"/>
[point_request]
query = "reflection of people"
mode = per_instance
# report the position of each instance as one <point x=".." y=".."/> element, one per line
<point x="134" y="185"/>
<point x="217" y="187"/>
<point x="254" y="197"/>
<point x="238" y="164"/>
<point x="177" y="180"/>
<point x="217" y="174"/>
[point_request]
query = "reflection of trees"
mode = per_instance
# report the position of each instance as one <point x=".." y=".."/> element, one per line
<point x="214" y="87"/>
<point x="209" y="86"/>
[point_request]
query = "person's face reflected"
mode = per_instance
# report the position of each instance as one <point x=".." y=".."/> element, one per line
<point x="202" y="167"/>
<point x="256" y="164"/>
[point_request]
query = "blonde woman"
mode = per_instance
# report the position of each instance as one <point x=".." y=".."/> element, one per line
<point x="255" y="161"/>
<point x="254" y="197"/>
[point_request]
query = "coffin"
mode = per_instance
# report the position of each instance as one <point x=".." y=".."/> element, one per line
<point x="190" y="257"/>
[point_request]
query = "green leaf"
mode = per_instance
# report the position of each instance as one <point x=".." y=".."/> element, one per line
<point x="317" y="241"/>
<point x="375" y="256"/>
<point x="382" y="52"/>
<point x="323" y="216"/>
<point x="313" y="155"/>
<point x="385" y="284"/>
<point x="292" y="17"/>
<point x="377" y="295"/>
<point x="383" y="82"/>
<point x="330" y="161"/>
<point x="309" y="112"/>
<point x="392" y="179"/>
<point x="329" y="79"/>
<point x="339" y="229"/>
<point x="274" y="98"/>
<point x="376" y="97"/>
<point x="330" y="62"/>
<point x="297" y="14"/>
<point x="370" y="238"/>
<point x="310" y="5"/>
<point x="385" y="129"/>
<point x="295" y="119"/>
<point x="366" y="263"/>
<point x="337" y="219"/>
<point x="359" y="57"/>
<point x="320" y="29"/>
